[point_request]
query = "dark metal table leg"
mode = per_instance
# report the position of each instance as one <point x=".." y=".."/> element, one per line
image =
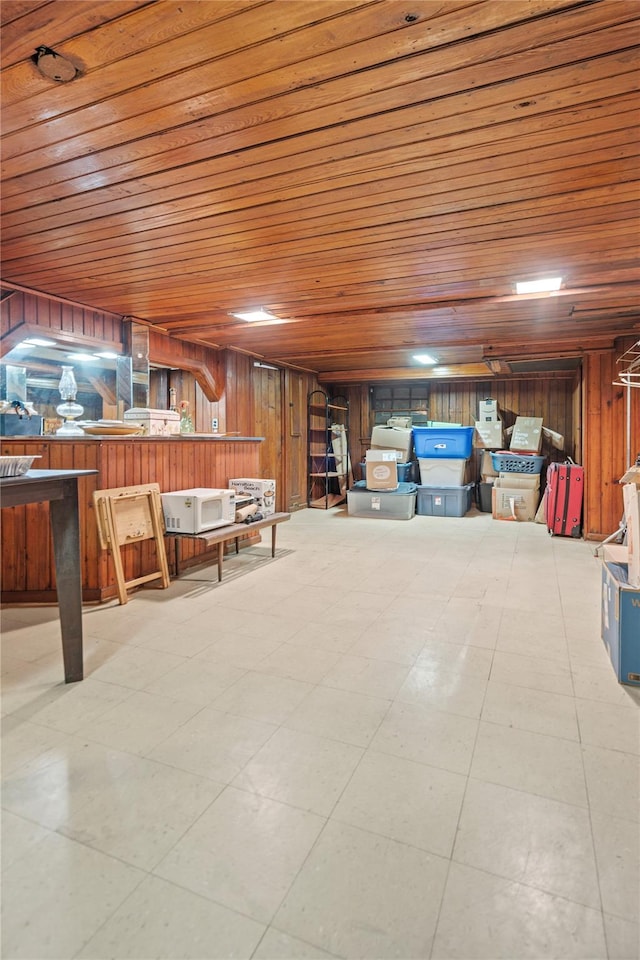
<point x="65" y="528"/>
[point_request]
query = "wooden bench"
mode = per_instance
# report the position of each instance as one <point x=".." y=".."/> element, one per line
<point x="233" y="531"/>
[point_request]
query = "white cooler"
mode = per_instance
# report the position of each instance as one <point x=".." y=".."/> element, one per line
<point x="155" y="423"/>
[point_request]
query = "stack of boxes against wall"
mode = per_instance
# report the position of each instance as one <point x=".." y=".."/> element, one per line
<point x="621" y="589"/>
<point x="516" y="489"/>
<point x="443" y="452"/>
<point x="509" y="487"/>
<point x="387" y="490"/>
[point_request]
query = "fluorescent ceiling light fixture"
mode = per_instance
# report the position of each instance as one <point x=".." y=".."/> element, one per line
<point x="547" y="285"/>
<point x="83" y="357"/>
<point x="107" y="355"/>
<point x="252" y="315"/>
<point x="425" y="358"/>
<point x="39" y="342"/>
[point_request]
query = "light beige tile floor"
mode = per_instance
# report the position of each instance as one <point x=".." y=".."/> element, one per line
<point x="395" y="739"/>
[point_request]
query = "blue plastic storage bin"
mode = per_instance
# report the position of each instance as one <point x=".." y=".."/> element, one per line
<point x="455" y="443"/>
<point x="406" y="471"/>
<point x="621" y="621"/>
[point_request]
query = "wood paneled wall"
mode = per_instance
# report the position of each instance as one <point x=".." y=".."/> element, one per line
<point x="254" y="401"/>
<point x="586" y="408"/>
<point x="605" y="409"/>
<point x="28" y="573"/>
<point x="551" y="398"/>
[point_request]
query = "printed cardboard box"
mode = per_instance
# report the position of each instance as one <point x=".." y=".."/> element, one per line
<point x="488" y="410"/>
<point x="381" y="470"/>
<point x="488" y="434"/>
<point x="526" y="436"/>
<point x="262" y="491"/>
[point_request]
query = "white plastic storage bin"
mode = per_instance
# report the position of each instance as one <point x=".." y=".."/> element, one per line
<point x="444" y="501"/>
<point x="397" y="504"/>
<point x="439" y="472"/>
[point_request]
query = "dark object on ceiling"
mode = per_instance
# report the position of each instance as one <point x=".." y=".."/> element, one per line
<point x="53" y="65"/>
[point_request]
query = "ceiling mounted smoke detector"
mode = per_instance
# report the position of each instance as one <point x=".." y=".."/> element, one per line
<point x="54" y="66"/>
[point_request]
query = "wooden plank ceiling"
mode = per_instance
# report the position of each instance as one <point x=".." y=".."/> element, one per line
<point x="376" y="173"/>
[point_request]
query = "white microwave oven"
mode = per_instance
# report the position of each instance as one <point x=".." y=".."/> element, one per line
<point x="198" y="510"/>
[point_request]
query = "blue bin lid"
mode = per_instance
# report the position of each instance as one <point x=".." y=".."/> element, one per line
<point x="403" y="489"/>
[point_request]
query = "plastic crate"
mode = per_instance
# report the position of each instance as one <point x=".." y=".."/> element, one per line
<point x="507" y="462"/>
<point x="484" y="491"/>
<point x="444" y="501"/>
<point x="441" y="472"/>
<point x="397" y="504"/>
<point x="450" y="442"/>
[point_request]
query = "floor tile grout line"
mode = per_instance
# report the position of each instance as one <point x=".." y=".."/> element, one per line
<point x="457" y="828"/>
<point x="368" y="747"/>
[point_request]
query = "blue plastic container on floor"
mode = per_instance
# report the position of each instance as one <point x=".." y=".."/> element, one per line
<point x="406" y="471"/>
<point x="452" y="442"/>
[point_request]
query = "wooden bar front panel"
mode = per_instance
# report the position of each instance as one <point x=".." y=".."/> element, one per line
<point x="175" y="464"/>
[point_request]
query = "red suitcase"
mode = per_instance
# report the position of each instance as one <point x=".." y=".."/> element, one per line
<point x="565" y="485"/>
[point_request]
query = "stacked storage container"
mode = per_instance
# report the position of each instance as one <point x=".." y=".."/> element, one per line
<point x="396" y="435"/>
<point x="398" y="504"/>
<point x="488" y="436"/>
<point x="442" y="454"/>
<point x="516" y="490"/>
<point x="386" y="489"/>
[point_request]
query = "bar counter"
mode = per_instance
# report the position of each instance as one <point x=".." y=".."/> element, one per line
<point x="175" y="463"/>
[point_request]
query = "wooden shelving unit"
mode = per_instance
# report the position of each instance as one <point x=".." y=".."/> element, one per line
<point x="328" y="461"/>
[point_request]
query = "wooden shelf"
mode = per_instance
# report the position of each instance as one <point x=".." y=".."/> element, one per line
<point x="331" y="500"/>
<point x="321" y="408"/>
<point x="328" y="463"/>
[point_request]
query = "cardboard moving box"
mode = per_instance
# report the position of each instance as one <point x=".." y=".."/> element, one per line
<point x="381" y="470"/>
<point x="488" y="410"/>
<point x="514" y="503"/>
<point x="488" y="434"/>
<point x="486" y="467"/>
<point x="521" y="481"/>
<point x="393" y="438"/>
<point x="526" y="436"/>
<point x="631" y="494"/>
